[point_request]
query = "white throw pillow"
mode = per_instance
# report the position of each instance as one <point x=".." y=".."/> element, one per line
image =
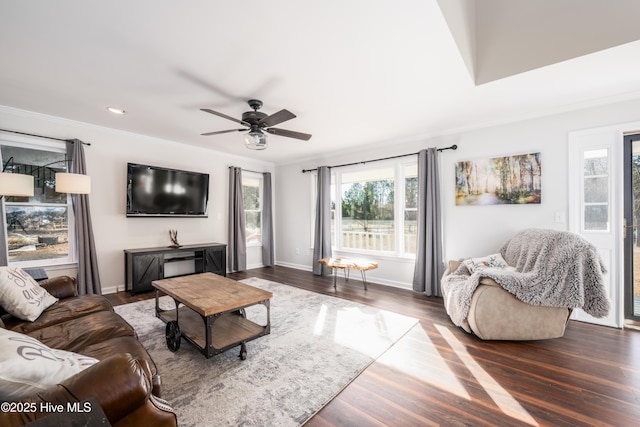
<point x="27" y="366"/>
<point x="21" y="295"/>
<point x="489" y="261"/>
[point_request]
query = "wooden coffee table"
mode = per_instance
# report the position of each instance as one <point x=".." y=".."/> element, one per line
<point x="210" y="312"/>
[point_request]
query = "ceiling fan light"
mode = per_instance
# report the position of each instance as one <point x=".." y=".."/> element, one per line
<point x="255" y="140"/>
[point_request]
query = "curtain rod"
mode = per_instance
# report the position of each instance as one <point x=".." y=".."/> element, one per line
<point x="41" y="136"/>
<point x="453" y="147"/>
<point x="247" y="170"/>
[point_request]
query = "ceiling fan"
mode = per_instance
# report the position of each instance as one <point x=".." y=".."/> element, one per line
<point x="257" y="123"/>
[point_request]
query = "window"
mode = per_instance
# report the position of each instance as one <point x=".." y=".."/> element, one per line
<point x="367" y="202"/>
<point x="38" y="231"/>
<point x="374" y="208"/>
<point x="410" y="208"/>
<point x="252" y="196"/>
<point x="596" y="190"/>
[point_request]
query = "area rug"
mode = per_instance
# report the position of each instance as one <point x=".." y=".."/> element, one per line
<point x="318" y="345"/>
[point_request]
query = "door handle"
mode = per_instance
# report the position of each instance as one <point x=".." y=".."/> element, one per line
<point x="625" y="226"/>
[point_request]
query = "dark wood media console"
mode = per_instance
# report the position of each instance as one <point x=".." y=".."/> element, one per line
<point x="143" y="266"/>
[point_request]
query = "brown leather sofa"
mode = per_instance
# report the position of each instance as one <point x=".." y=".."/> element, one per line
<point x="125" y="381"/>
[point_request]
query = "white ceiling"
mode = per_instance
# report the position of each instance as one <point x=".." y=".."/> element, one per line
<point x="356" y="73"/>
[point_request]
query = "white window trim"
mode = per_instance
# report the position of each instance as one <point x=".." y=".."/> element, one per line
<point x="399" y="208"/>
<point x="260" y="178"/>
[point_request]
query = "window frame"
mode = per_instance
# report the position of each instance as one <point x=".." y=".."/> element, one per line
<point x="400" y="166"/>
<point x="606" y="154"/>
<point x="254" y="176"/>
<point x="401" y="187"/>
<point x="71" y="258"/>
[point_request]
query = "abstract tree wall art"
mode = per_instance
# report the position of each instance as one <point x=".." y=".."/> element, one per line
<point x="499" y="180"/>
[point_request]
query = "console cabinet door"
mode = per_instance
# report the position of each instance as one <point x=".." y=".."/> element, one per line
<point x="146" y="268"/>
<point x="215" y="260"/>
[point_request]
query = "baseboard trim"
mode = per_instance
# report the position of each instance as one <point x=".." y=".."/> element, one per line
<point x="296" y="266"/>
<point x="111" y="289"/>
<point x="356" y="277"/>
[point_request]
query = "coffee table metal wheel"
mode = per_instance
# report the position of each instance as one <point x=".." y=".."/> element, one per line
<point x="172" y="333"/>
<point x="243" y="351"/>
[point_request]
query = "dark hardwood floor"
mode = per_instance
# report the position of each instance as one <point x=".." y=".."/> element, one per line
<point x="438" y="374"/>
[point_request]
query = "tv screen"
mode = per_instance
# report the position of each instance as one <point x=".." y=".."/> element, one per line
<point x="157" y="191"/>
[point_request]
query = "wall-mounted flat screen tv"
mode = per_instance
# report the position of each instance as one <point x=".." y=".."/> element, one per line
<point x="161" y="192"/>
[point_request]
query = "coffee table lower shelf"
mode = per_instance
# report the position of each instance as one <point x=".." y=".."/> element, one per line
<point x="225" y="330"/>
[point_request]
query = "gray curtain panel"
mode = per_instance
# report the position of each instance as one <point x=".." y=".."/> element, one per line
<point x="322" y="239"/>
<point x="268" y="247"/>
<point x="88" y="274"/>
<point x="237" y="234"/>
<point x="429" y="258"/>
<point x="4" y="245"/>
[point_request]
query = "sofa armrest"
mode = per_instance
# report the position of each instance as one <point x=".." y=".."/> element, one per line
<point x="452" y="266"/>
<point x="61" y="287"/>
<point x="120" y="383"/>
<point x="122" y="386"/>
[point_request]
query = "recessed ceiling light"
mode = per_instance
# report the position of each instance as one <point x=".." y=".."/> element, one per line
<point x="115" y="110"/>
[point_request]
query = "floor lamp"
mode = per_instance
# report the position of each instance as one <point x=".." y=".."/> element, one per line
<point x="21" y="185"/>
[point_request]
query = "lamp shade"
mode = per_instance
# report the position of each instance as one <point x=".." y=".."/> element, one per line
<point x="16" y="184"/>
<point x="73" y="183"/>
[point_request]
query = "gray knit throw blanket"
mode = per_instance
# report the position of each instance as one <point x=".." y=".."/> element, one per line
<point x="552" y="268"/>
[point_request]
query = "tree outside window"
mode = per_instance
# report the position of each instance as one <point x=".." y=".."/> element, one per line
<point x="368" y="210"/>
<point x="373" y="208"/>
<point x="635" y="176"/>
<point x="378" y="209"/>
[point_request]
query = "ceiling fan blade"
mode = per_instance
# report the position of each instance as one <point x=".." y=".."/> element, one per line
<point x="275" y="118"/>
<point x="223" y="131"/>
<point x="224" y="116"/>
<point x="289" y="133"/>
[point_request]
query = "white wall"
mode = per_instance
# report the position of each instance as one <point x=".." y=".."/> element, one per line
<point x="107" y="159"/>
<point x="468" y="230"/>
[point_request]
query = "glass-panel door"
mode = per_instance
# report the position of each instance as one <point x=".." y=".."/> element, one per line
<point x="595" y="208"/>
<point x="632" y="227"/>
